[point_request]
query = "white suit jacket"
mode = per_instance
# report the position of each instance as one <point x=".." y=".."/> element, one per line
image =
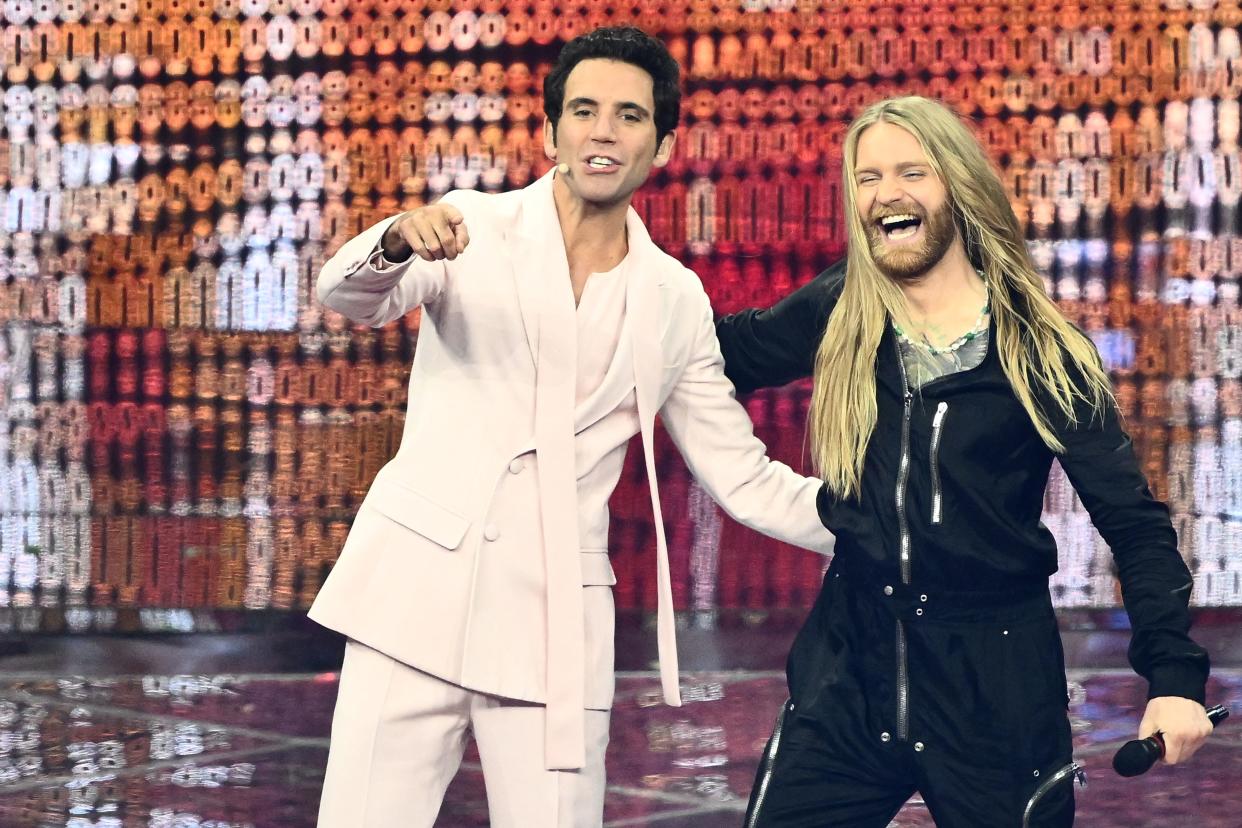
<point x="444" y="568"/>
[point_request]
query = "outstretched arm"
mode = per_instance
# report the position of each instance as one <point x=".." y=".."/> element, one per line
<point x="766" y="348"/>
<point x="395" y="265"/>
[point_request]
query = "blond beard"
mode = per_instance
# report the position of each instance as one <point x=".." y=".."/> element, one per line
<point x="902" y="265"/>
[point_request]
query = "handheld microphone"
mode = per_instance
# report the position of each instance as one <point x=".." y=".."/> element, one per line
<point x="1136" y="757"/>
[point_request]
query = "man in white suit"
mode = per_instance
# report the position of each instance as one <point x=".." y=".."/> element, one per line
<point x="475" y="586"/>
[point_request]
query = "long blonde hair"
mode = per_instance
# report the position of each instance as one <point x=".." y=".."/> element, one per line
<point x="1038" y="348"/>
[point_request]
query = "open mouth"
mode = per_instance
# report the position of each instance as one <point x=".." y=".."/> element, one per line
<point x="601" y="162"/>
<point x="899" y="226"/>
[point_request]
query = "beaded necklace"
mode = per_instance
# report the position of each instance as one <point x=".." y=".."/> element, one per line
<point x="979" y="327"/>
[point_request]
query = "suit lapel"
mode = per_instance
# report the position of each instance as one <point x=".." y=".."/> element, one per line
<point x="539" y="265"/>
<point x="642" y="308"/>
<point x="541" y="273"/>
<point x="528" y="283"/>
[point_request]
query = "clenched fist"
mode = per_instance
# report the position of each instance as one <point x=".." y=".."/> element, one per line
<point x="434" y="231"/>
<point x="1182" y="723"/>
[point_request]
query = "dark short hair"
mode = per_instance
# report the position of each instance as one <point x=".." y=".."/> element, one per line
<point x="628" y="45"/>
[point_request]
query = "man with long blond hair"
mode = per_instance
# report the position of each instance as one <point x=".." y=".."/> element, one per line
<point x="946" y="382"/>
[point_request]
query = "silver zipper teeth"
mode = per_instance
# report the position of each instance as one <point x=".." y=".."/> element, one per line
<point x="937" y="422"/>
<point x="767" y="773"/>
<point x="903" y="527"/>
<point x="903" y="686"/>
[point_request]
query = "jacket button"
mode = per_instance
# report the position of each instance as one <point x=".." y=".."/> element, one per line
<point x="888" y="590"/>
<point x="490" y="532"/>
<point x="923" y="598"/>
<point x="918" y="747"/>
<point x="516" y="466"/>
<point x="885" y="737"/>
<point x="918" y="611"/>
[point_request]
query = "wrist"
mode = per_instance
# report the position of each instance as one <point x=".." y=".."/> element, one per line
<point x="394" y="246"/>
<point x="1185" y="679"/>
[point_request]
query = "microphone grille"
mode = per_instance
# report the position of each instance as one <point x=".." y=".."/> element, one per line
<point x="1135" y="758"/>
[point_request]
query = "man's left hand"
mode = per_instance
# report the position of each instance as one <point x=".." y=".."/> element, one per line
<point x="1182" y="723"/>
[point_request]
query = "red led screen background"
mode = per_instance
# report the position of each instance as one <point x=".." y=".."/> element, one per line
<point x="183" y="426"/>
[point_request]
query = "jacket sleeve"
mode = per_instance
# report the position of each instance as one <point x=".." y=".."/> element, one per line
<point x="767" y="348"/>
<point x="355" y="281"/>
<point x="715" y="436"/>
<point x="1100" y="462"/>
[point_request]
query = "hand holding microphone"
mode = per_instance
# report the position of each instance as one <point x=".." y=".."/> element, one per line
<point x="1137" y="757"/>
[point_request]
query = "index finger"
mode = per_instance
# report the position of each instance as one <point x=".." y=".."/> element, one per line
<point x="457" y="223"/>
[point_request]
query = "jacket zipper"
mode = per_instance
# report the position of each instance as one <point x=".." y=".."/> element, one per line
<point x="770" y="763"/>
<point x="937" y="424"/>
<point x="903" y="527"/>
<point x="1073" y="769"/>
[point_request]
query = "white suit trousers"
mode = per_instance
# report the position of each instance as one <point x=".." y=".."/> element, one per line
<point x="398" y="735"/>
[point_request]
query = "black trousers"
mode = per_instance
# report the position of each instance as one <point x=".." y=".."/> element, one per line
<point x="985" y="712"/>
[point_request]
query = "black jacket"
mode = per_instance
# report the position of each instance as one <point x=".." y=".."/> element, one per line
<point x="974" y="492"/>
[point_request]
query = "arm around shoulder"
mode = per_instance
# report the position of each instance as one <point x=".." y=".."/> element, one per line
<point x="716" y="437"/>
<point x="772" y="347"/>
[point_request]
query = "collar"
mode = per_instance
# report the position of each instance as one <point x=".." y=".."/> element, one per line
<point x="539" y="222"/>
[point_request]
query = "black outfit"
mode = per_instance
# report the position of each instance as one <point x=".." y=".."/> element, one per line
<point x="941" y="670"/>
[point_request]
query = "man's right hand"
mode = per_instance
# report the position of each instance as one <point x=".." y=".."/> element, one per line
<point x="433" y="231"/>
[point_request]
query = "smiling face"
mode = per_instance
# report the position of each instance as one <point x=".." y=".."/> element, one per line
<point x="902" y="202"/>
<point x="606" y="132"/>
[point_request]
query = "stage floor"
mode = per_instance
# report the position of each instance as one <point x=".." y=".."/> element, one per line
<point x="225" y="751"/>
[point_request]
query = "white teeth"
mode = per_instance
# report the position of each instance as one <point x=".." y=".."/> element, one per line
<point x="889" y="220"/>
<point x="600" y="162"/>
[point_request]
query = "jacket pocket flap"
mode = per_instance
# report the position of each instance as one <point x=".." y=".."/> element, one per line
<point x="418" y="514"/>
<point x="597" y="568"/>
